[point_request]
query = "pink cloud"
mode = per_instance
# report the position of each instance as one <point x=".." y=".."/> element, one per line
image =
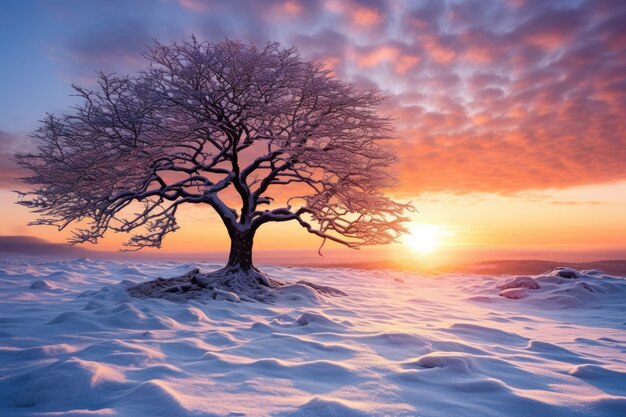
<point x="405" y="62"/>
<point x="366" y="16"/>
<point x="195" y="5"/>
<point x="438" y="51"/>
<point x="292" y="7"/>
<point x="400" y="61"/>
<point x="376" y="56"/>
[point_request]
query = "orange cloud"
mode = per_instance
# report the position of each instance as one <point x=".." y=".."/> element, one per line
<point x="363" y="16"/>
<point x="366" y="16"/>
<point x="378" y="55"/>
<point x="291" y="7"/>
<point x="405" y="63"/>
<point x="437" y="50"/>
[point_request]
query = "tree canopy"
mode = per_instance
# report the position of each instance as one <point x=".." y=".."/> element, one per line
<point x="257" y="133"/>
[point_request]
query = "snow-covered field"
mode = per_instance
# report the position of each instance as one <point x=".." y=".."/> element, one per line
<point x="399" y="345"/>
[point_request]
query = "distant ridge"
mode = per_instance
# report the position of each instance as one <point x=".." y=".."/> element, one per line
<point x="30" y="245"/>
<point x="496" y="267"/>
<point x="535" y="267"/>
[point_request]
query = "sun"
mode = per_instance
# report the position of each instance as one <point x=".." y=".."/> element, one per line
<point x="424" y="238"/>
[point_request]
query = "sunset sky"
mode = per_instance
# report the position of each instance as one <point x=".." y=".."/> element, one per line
<point x="510" y="114"/>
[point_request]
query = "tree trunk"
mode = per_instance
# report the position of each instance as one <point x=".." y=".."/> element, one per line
<point x="240" y="257"/>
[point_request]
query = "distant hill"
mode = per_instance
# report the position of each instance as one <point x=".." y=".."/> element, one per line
<point x="497" y="267"/>
<point x="535" y="267"/>
<point x="29" y="245"/>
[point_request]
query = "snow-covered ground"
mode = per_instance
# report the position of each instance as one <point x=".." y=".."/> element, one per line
<point x="399" y="345"/>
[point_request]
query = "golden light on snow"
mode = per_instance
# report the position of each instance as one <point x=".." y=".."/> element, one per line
<point x="424" y="238"/>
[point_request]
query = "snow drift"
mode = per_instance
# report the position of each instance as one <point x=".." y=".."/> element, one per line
<point x="74" y="343"/>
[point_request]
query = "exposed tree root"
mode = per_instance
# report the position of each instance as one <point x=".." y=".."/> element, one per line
<point x="224" y="284"/>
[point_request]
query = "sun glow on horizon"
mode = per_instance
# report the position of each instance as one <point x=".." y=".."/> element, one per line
<point x="424" y="238"/>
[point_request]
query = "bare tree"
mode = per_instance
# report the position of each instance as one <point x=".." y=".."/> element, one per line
<point x="226" y="124"/>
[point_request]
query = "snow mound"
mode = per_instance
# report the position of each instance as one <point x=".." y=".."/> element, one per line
<point x="593" y="272"/>
<point x="297" y="294"/>
<point x="514" y="293"/>
<point x="565" y="287"/>
<point x="611" y="381"/>
<point x="597" y="372"/>
<point x="309" y="318"/>
<point x="131" y="270"/>
<point x="485" y="333"/>
<point x="40" y="284"/>
<point x="565" y="272"/>
<point x="400" y="339"/>
<point x="39" y="352"/>
<point x="72" y="381"/>
<point x="317" y="407"/>
<point x="457" y="362"/>
<point x="519" y="282"/>
<point x="323" y="289"/>
<point x="156" y="398"/>
<point x="192" y="315"/>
